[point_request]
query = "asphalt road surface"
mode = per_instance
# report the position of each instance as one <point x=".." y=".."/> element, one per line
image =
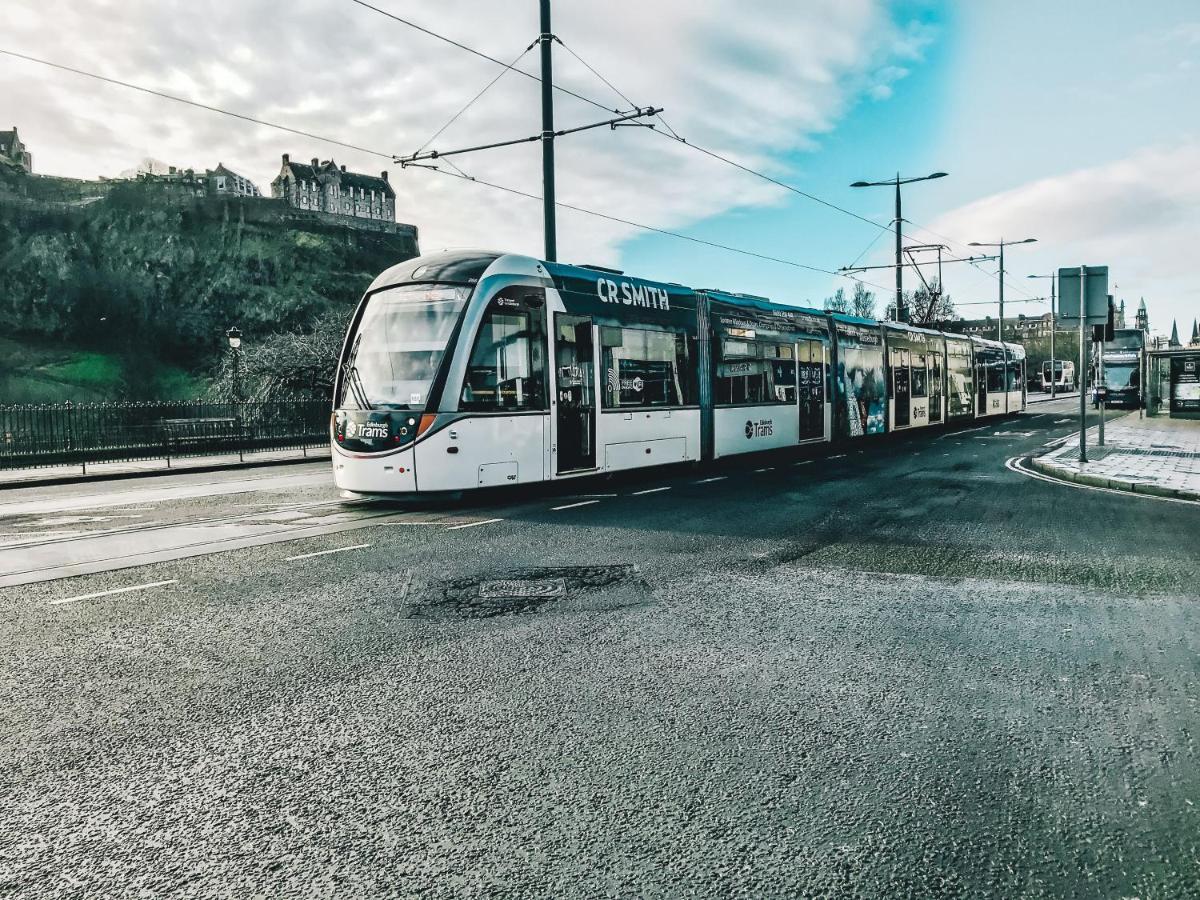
<point x="909" y="671"/>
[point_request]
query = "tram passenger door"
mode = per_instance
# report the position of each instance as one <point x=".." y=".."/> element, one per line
<point x="575" y="399"/>
<point x="810" y="365"/>
<point x="900" y="388"/>
<point x="935" y="386"/>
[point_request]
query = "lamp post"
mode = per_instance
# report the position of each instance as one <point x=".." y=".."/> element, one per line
<point x="1053" y="326"/>
<point x="1001" y="244"/>
<point x="234" y="335"/>
<point x="901" y="310"/>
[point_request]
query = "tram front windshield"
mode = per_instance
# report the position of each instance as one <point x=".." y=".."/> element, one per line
<point x="398" y="345"/>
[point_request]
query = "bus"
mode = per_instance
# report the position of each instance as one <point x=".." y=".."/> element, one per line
<point x="1063" y="378"/>
<point x="1123" y="364"/>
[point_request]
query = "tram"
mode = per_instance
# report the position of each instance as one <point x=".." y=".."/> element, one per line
<point x="469" y="369"/>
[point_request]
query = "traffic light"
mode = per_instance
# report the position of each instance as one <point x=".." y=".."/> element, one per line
<point x="1107" y="331"/>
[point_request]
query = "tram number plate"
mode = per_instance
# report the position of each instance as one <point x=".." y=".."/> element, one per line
<point x="553" y="587"/>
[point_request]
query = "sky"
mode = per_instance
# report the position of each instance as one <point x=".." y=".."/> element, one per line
<point x="1072" y="122"/>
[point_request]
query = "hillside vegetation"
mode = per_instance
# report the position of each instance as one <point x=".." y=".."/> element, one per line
<point x="129" y="295"/>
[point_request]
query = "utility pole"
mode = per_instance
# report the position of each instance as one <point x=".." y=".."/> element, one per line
<point x="548" y="224"/>
<point x="1053" y="327"/>
<point x="1001" y="244"/>
<point x="901" y="310"/>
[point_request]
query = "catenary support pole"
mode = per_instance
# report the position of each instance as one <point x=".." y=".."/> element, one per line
<point x="901" y="312"/>
<point x="1053" y="374"/>
<point x="1081" y="375"/>
<point x="1000" y="325"/>
<point x="551" y="248"/>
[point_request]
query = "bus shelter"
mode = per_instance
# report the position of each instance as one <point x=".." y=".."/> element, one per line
<point x="1174" y="383"/>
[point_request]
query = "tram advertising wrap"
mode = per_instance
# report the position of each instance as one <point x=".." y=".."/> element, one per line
<point x="468" y="369"/>
<point x="861" y="377"/>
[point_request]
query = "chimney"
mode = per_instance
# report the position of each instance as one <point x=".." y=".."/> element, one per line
<point x="384" y="174"/>
<point x="315" y="164"/>
<point x="286" y="159"/>
<point x="343" y="167"/>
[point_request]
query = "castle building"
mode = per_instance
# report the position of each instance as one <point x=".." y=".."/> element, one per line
<point x="327" y="187"/>
<point x="223" y="181"/>
<point x="13" y="151"/>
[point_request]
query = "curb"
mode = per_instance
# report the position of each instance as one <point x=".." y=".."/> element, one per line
<point x="1131" y="487"/>
<point x="1074" y="395"/>
<point x="51" y="480"/>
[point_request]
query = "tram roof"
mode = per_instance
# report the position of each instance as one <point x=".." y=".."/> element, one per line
<point x="752" y="301"/>
<point x="447" y="266"/>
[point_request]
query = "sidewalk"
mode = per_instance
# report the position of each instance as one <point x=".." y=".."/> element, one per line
<point x="15" y="478"/>
<point x="1046" y="398"/>
<point x="1157" y="455"/>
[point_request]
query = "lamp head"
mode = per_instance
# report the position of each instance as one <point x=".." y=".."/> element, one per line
<point x="235" y="337"/>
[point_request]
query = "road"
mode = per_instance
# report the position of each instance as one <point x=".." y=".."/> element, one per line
<point x="909" y="671"/>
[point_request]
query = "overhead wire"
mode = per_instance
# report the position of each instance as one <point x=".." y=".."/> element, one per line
<point x="459" y="174"/>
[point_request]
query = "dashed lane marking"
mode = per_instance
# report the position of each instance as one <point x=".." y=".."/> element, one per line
<point x="836" y="456"/>
<point x="473" y="524"/>
<point x="326" y="552"/>
<point x="714" y="478"/>
<point x="650" y="491"/>
<point x="766" y="469"/>
<point x="573" y="505"/>
<point x="124" y="590"/>
<point x="803" y="462"/>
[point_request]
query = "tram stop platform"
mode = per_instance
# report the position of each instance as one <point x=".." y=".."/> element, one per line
<point x="1145" y="455"/>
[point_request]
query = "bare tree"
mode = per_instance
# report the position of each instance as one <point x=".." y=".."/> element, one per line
<point x="863" y="302"/>
<point x="285" y="365"/>
<point x="838" y="302"/>
<point x="927" y="307"/>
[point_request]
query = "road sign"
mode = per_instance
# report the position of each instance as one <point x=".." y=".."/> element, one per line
<point x="1095" y="301"/>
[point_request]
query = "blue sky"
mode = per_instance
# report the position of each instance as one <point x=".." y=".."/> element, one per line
<point x="1070" y="121"/>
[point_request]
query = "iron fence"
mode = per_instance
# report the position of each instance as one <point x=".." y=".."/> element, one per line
<point x="56" y="434"/>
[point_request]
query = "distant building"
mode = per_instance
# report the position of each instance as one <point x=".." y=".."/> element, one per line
<point x="13" y="151"/>
<point x="225" y="181"/>
<point x="1021" y="328"/>
<point x="327" y="187"/>
<point x="1143" y="317"/>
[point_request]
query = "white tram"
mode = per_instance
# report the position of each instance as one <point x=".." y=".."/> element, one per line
<point x="473" y="369"/>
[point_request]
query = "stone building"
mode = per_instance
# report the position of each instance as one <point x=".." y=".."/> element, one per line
<point x="328" y="188"/>
<point x="1015" y="329"/>
<point x="226" y="182"/>
<point x="13" y="151"/>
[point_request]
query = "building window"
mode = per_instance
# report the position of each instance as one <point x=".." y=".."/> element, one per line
<point x="507" y="370"/>
<point x="754" y="372"/>
<point x="645" y="368"/>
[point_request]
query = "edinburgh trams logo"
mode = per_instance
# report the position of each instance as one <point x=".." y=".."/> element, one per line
<point x="367" y="430"/>
<point x="630" y="294"/>
<point x="761" y="428"/>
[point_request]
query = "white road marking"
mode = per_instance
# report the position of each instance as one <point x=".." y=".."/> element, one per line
<point x="573" y="505"/>
<point x="766" y="469"/>
<point x="1062" y="421"/>
<point x="326" y="552"/>
<point x="803" y="462"/>
<point x="473" y="524"/>
<point x="404" y="522"/>
<point x="714" y="478"/>
<point x="650" y="491"/>
<point x="124" y="590"/>
<point x="836" y="456"/>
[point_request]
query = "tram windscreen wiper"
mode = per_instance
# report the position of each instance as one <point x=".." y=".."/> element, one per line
<point x="354" y="379"/>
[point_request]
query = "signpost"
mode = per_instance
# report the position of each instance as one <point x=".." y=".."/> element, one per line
<point x="1083" y="301"/>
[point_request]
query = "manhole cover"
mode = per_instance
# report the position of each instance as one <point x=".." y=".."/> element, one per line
<point x="511" y="587"/>
<point x="519" y="591"/>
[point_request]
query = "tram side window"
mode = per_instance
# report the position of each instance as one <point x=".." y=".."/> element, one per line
<point x="645" y="368"/>
<point x="920" y="384"/>
<point x="995" y="377"/>
<point x="507" y="370"/>
<point x="755" y="372"/>
<point x="1014" y="375"/>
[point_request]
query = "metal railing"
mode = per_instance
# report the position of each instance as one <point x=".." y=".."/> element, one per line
<point x="59" y="434"/>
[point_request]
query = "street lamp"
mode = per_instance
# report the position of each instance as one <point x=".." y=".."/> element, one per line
<point x="1053" y="326"/>
<point x="234" y="335"/>
<point x="901" y="310"/>
<point x="1002" y="244"/>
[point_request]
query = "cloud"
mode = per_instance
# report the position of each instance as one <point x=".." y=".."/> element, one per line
<point x="1137" y="215"/>
<point x="755" y="86"/>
